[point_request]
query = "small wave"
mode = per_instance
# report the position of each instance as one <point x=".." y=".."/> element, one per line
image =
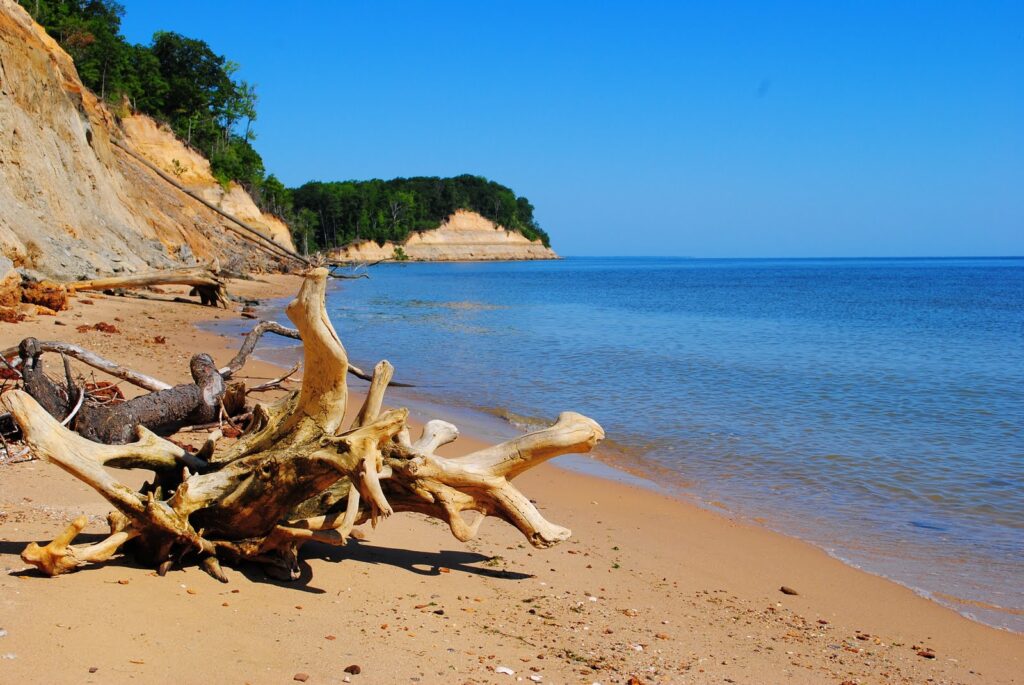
<point x="520" y="421"/>
<point x="625" y="456"/>
<point x="464" y="305"/>
<point x="978" y="604"/>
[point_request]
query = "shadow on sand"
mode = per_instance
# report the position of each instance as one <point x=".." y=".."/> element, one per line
<point x="355" y="552"/>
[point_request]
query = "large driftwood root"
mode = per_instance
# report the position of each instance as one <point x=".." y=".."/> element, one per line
<point x="298" y="474"/>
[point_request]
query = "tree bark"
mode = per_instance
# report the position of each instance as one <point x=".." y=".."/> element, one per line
<point x="164" y="411"/>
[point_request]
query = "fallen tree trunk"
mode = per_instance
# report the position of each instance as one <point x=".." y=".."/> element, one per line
<point x="299" y="474"/>
<point x="164" y="411"/>
<point x="203" y="279"/>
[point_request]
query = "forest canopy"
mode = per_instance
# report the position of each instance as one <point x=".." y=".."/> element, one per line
<point x="341" y="212"/>
<point x="183" y="83"/>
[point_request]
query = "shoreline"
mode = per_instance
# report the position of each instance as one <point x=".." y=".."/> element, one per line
<point x="615" y="462"/>
<point x="696" y="590"/>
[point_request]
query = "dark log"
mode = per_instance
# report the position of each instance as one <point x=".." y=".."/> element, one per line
<point x="53" y="398"/>
<point x="164" y="412"/>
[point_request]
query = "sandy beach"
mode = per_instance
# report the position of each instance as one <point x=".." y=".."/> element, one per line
<point x="649" y="589"/>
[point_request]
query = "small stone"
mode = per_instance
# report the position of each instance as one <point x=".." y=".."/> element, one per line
<point x="3" y="633"/>
<point x="301" y="677"/>
<point x="190" y="591"/>
<point x="330" y="637"/>
<point x="786" y="590"/>
<point x="926" y="653"/>
<point x="93" y="669"/>
<point x="123" y="581"/>
<point x="353" y="669"/>
<point x="504" y="670"/>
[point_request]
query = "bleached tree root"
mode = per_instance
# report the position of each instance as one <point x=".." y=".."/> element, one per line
<point x="298" y="475"/>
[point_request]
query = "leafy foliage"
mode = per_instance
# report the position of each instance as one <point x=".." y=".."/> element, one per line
<point x="175" y="79"/>
<point x="390" y="210"/>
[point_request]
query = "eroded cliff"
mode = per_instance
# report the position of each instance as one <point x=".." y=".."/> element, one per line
<point x="73" y="204"/>
<point x="464" y="237"/>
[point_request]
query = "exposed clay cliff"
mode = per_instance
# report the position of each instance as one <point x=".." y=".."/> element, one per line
<point x="72" y="203"/>
<point x="464" y="237"/>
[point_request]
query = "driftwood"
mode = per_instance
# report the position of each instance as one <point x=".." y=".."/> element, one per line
<point x="147" y="382"/>
<point x="164" y="412"/>
<point x="203" y="279"/>
<point x="253" y="337"/>
<point x="299" y="474"/>
<point x="94" y="360"/>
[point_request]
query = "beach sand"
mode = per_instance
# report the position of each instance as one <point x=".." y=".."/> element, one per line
<point x="648" y="586"/>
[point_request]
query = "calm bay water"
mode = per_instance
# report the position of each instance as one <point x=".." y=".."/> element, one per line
<point x="873" y="407"/>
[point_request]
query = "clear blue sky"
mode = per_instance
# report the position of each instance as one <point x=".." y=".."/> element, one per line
<point x="656" y="128"/>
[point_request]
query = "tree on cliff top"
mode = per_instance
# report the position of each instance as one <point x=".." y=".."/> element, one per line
<point x="391" y="210"/>
<point x="176" y="79"/>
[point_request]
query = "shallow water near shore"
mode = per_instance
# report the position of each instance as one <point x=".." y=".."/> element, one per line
<point x="873" y="407"/>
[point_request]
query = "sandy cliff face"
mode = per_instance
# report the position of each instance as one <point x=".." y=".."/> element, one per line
<point x="160" y="146"/>
<point x="73" y="204"/>
<point x="464" y="237"/>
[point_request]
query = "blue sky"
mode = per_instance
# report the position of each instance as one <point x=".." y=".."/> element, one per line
<point x="725" y="129"/>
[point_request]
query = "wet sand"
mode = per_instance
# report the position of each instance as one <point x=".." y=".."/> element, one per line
<point x="648" y="586"/>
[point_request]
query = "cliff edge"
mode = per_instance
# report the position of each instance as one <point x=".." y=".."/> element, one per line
<point x="464" y="237"/>
<point x="73" y="204"/>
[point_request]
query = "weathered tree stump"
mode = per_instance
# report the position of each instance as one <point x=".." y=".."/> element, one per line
<point x="299" y="474"/>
